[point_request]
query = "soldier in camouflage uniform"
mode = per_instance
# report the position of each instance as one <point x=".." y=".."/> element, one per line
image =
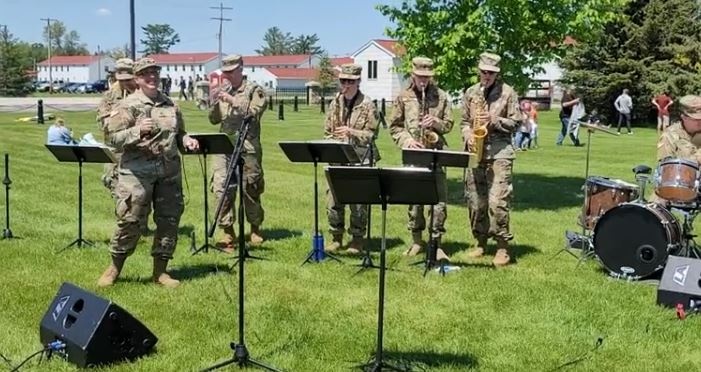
<point x="243" y="100"/>
<point x="124" y="86"/>
<point x="147" y="128"/>
<point x="351" y="118"/>
<point x="682" y="139"/>
<point x="489" y="185"/>
<point x="410" y="118"/>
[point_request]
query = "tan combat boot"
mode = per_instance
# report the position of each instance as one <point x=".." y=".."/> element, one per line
<point x="356" y="245"/>
<point x="113" y="270"/>
<point x="227" y="243"/>
<point x="501" y="258"/>
<point x="256" y="236"/>
<point x="478" y="251"/>
<point x="160" y="276"/>
<point x="440" y="253"/>
<point x="335" y="243"/>
<point x="416" y="245"/>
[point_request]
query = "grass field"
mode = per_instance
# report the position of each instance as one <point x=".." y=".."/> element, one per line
<point x="536" y="315"/>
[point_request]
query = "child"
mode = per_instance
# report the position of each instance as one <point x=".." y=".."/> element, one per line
<point x="523" y="136"/>
<point x="533" y="118"/>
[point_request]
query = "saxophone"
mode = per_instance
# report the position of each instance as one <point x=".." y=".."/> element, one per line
<point x="339" y="119"/>
<point x="428" y="137"/>
<point x="479" y="129"/>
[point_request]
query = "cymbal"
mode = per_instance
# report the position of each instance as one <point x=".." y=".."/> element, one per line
<point x="594" y="127"/>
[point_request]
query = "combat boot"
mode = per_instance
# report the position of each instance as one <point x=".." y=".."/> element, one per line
<point x="227" y="243"/>
<point x="160" y="276"/>
<point x="356" y="245"/>
<point x="416" y="245"/>
<point x="478" y="251"/>
<point x="113" y="270"/>
<point x="440" y="253"/>
<point x="256" y="236"/>
<point x="335" y="243"/>
<point x="501" y="258"/>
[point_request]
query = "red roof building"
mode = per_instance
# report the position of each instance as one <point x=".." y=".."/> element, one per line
<point x="184" y="58"/>
<point x="69" y="60"/>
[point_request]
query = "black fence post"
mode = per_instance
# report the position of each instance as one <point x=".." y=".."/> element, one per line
<point x="323" y="105"/>
<point x="383" y="107"/>
<point x="270" y="103"/>
<point x="296" y="108"/>
<point x="281" y="112"/>
<point x="40" y="112"/>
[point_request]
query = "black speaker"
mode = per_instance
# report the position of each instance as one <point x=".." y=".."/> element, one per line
<point x="680" y="283"/>
<point x="95" y="330"/>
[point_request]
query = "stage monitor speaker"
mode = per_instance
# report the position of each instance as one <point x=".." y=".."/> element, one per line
<point x="680" y="283"/>
<point x="95" y="330"/>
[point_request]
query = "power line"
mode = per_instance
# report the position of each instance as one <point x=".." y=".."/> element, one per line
<point x="221" y="20"/>
<point x="48" y="30"/>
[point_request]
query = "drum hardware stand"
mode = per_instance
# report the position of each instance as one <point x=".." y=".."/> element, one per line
<point x="690" y="247"/>
<point x="366" y="262"/>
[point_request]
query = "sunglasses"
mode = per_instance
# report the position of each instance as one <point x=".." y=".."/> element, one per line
<point x="487" y="72"/>
<point x="347" y="81"/>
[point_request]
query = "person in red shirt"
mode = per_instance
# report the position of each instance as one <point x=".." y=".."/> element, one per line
<point x="662" y="103"/>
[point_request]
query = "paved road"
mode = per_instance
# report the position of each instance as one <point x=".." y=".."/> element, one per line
<point x="28" y="104"/>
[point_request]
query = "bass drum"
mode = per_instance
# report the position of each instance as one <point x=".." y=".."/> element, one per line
<point x="633" y="240"/>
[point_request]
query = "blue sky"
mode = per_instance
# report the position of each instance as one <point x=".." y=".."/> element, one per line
<point x="342" y="26"/>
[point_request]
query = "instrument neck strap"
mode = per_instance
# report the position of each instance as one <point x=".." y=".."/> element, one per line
<point x="348" y="105"/>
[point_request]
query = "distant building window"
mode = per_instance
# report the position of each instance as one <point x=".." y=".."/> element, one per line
<point x="200" y="68"/>
<point x="372" y="69"/>
<point x="192" y="68"/>
<point x="68" y="68"/>
<point x="184" y="68"/>
<point x="253" y="69"/>
<point x="175" y="67"/>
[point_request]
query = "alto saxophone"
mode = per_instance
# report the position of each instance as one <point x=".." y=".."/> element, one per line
<point x="479" y="129"/>
<point x="429" y="138"/>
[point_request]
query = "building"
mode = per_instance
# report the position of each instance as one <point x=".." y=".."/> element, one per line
<point x="380" y="60"/>
<point x="186" y="65"/>
<point x="258" y="69"/>
<point x="75" y="69"/>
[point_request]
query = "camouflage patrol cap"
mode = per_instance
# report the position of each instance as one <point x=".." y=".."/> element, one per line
<point x="145" y="63"/>
<point x="124" y="68"/>
<point x="691" y="106"/>
<point x="350" y="71"/>
<point x="231" y="62"/>
<point x="422" y="66"/>
<point x="489" y="62"/>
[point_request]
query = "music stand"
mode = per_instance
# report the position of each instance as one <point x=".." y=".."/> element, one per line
<point x="81" y="154"/>
<point x="214" y="144"/>
<point x="435" y="160"/>
<point x="326" y="151"/>
<point x="383" y="186"/>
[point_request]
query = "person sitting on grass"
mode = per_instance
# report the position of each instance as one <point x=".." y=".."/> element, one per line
<point x="58" y="134"/>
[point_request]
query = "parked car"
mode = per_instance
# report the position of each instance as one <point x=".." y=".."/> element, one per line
<point x="100" y="85"/>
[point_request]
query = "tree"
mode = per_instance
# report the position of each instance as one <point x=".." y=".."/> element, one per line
<point x="326" y="76"/>
<point x="72" y="45"/>
<point x="525" y="33"/>
<point x="656" y="46"/>
<point x="306" y="44"/>
<point x="120" y="52"/>
<point x="159" y="38"/>
<point x="13" y="67"/>
<point x="276" y="43"/>
<point x="62" y="41"/>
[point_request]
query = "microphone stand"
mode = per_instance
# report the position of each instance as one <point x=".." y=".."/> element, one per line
<point x="7" y="233"/>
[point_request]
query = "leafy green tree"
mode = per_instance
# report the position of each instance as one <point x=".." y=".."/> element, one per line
<point x="275" y="43"/>
<point x="326" y="76"/>
<point x="655" y="47"/>
<point x="62" y="41"/>
<point x="306" y="44"/>
<point x="13" y="66"/>
<point x="159" y="38"/>
<point x="525" y="33"/>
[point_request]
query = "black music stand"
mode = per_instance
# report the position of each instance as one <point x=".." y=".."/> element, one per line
<point x="435" y="160"/>
<point x="81" y="154"/>
<point x="366" y="185"/>
<point x="214" y="144"/>
<point x="326" y="151"/>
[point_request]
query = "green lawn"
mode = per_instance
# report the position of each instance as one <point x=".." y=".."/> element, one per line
<point x="536" y="315"/>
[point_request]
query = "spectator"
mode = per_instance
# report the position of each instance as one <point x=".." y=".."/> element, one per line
<point x="569" y="100"/>
<point x="58" y="134"/>
<point x="182" y="86"/>
<point x="523" y="135"/>
<point x="662" y="103"/>
<point x="191" y="88"/>
<point x="624" y="106"/>
<point x="533" y="119"/>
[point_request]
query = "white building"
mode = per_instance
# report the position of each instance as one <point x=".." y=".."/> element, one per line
<point x="257" y="69"/>
<point x="75" y="69"/>
<point x="186" y="65"/>
<point x="380" y="60"/>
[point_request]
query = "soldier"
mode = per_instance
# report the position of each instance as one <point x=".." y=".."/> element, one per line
<point x="411" y="118"/>
<point x="242" y="101"/>
<point x="682" y="139"/>
<point x="147" y="128"/>
<point x="489" y="184"/>
<point x="351" y="118"/>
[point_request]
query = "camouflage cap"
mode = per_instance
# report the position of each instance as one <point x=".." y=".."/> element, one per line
<point x="145" y="63"/>
<point x="350" y="71"/>
<point x="489" y="62"/>
<point x="124" y="68"/>
<point x="422" y="66"/>
<point x="691" y="106"/>
<point x="231" y="62"/>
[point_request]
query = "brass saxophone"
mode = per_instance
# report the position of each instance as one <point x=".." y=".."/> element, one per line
<point x="479" y="129"/>
<point x="339" y="119"/>
<point x="429" y="138"/>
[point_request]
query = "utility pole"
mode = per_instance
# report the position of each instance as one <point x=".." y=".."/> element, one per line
<point x="221" y="19"/>
<point x="133" y="31"/>
<point x="99" y="59"/>
<point x="48" y="29"/>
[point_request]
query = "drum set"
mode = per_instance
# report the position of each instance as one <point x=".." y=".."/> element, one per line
<point x="631" y="237"/>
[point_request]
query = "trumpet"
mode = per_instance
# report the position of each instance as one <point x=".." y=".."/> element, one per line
<point x="224" y="85"/>
<point x="479" y="129"/>
<point x="428" y="137"/>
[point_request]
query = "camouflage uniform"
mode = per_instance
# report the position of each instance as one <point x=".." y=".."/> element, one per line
<point x="404" y="126"/>
<point x="248" y="95"/>
<point x="489" y="185"/>
<point x="363" y="124"/>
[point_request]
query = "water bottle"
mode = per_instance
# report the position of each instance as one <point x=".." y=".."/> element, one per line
<point x="318" y="247"/>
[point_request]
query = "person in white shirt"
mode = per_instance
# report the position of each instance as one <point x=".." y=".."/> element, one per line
<point x="624" y="106"/>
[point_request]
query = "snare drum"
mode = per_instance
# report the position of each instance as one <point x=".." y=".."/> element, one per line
<point x="602" y="194"/>
<point x="677" y="180"/>
<point x="633" y="240"/>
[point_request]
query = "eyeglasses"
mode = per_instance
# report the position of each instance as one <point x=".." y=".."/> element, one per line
<point x="485" y="72"/>
<point x="347" y="81"/>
